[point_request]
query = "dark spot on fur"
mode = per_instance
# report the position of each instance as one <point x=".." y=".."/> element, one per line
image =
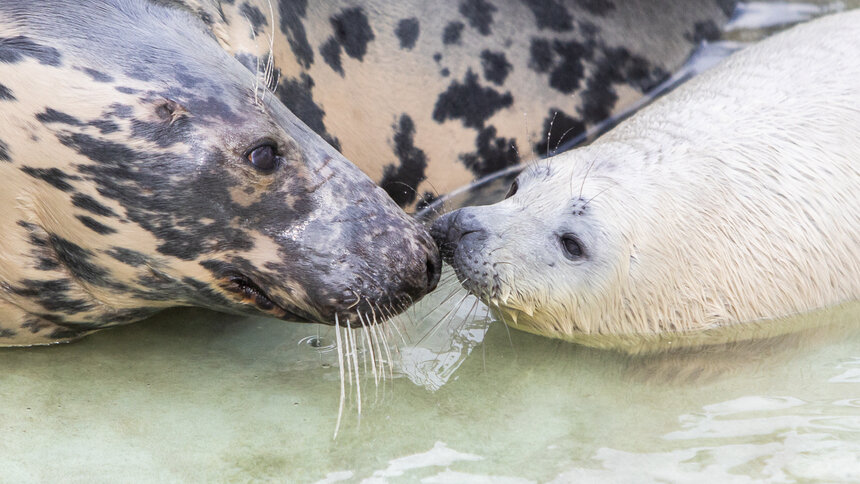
<point x="619" y="66"/>
<point x="91" y="205"/>
<point x="291" y="14"/>
<point x="596" y="7"/>
<point x="52" y="295"/>
<point x="104" y="126"/>
<point x="7" y="333"/>
<point x="122" y="111"/>
<point x="352" y="31"/>
<point x="445" y="72"/>
<point x="95" y="225"/>
<point x="56" y="177"/>
<point x="401" y="182"/>
<point x="127" y="90"/>
<point x="4" y="151"/>
<point x="540" y="55"/>
<point x="129" y="257"/>
<point x="559" y="127"/>
<point x="496" y="66"/>
<point x="186" y="205"/>
<point x="493" y="154"/>
<point x="187" y="79"/>
<point x="163" y="134"/>
<point x="297" y="96"/>
<point x="452" y="33"/>
<point x="97" y="75"/>
<point x="407" y="32"/>
<point x="254" y="15"/>
<point x="479" y="13"/>
<point x="568" y="73"/>
<point x="330" y="52"/>
<point x="470" y="102"/>
<point x="140" y="72"/>
<point x="14" y="49"/>
<point x="550" y="14"/>
<point x="6" y="94"/>
<point x="54" y="116"/>
<point x="78" y="261"/>
<point x="702" y="31"/>
<point x="45" y="258"/>
<point x="437" y="57"/>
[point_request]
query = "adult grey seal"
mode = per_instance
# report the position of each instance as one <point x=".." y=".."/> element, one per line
<point x="144" y="167"/>
<point x="734" y="199"/>
<point x="427" y="96"/>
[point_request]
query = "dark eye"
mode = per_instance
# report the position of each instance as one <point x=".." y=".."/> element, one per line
<point x="263" y="158"/>
<point x="572" y="247"/>
<point x="513" y="190"/>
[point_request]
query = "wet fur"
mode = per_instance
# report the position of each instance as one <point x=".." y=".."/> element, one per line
<point x="734" y="199"/>
<point x="122" y="149"/>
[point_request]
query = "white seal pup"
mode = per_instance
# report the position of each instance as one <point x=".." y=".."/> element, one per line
<point x="734" y="199"/>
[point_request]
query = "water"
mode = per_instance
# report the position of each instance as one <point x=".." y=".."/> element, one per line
<point x="197" y="396"/>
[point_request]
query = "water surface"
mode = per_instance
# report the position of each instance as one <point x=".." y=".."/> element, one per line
<point x="196" y="396"/>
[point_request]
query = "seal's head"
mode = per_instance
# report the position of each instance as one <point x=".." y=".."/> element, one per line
<point x="550" y="256"/>
<point x="148" y="169"/>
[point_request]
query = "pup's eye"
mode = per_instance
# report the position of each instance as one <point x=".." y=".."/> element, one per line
<point x="513" y="190"/>
<point x="263" y="158"/>
<point x="572" y="247"/>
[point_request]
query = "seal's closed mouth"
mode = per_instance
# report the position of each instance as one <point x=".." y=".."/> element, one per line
<point x="251" y="293"/>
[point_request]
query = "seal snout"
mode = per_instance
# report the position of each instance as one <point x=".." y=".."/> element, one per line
<point x="456" y="230"/>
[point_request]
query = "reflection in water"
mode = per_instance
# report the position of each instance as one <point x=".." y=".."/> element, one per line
<point x="802" y="441"/>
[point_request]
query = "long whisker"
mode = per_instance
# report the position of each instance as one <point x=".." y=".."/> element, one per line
<point x="339" y="343"/>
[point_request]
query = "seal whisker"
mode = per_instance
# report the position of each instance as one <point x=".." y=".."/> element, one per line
<point x="563" y="135"/>
<point x="598" y="193"/>
<point x="383" y="339"/>
<point x="450" y="313"/>
<point x="354" y="351"/>
<point x="369" y="348"/>
<point x="339" y="343"/>
<point x="549" y="134"/>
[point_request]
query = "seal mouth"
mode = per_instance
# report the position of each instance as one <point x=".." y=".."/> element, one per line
<point x="251" y="293"/>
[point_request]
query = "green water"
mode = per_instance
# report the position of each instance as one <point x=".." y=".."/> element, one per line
<point x="195" y="396"/>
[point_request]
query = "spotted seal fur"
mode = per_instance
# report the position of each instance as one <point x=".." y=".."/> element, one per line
<point x="427" y="96"/>
<point x="732" y="200"/>
<point x="143" y="168"/>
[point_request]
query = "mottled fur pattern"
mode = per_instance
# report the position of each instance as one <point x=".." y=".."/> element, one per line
<point x="427" y="96"/>
<point x="734" y="199"/>
<point x="124" y="143"/>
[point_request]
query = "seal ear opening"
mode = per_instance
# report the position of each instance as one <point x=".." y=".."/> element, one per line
<point x="169" y="111"/>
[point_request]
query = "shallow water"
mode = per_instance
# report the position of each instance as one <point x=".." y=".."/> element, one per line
<point x="197" y="396"/>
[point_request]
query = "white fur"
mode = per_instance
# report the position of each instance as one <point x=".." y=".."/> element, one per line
<point x="735" y="198"/>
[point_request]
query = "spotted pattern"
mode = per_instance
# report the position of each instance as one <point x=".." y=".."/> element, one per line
<point x="477" y="78"/>
<point x="141" y="196"/>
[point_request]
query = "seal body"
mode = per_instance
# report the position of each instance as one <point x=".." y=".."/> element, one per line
<point x="427" y="96"/>
<point x="734" y="199"/>
<point x="143" y="167"/>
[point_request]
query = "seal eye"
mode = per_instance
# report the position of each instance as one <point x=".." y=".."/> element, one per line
<point x="513" y="190"/>
<point x="263" y="158"/>
<point x="572" y="247"/>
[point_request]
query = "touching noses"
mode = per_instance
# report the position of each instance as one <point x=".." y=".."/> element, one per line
<point x="456" y="228"/>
